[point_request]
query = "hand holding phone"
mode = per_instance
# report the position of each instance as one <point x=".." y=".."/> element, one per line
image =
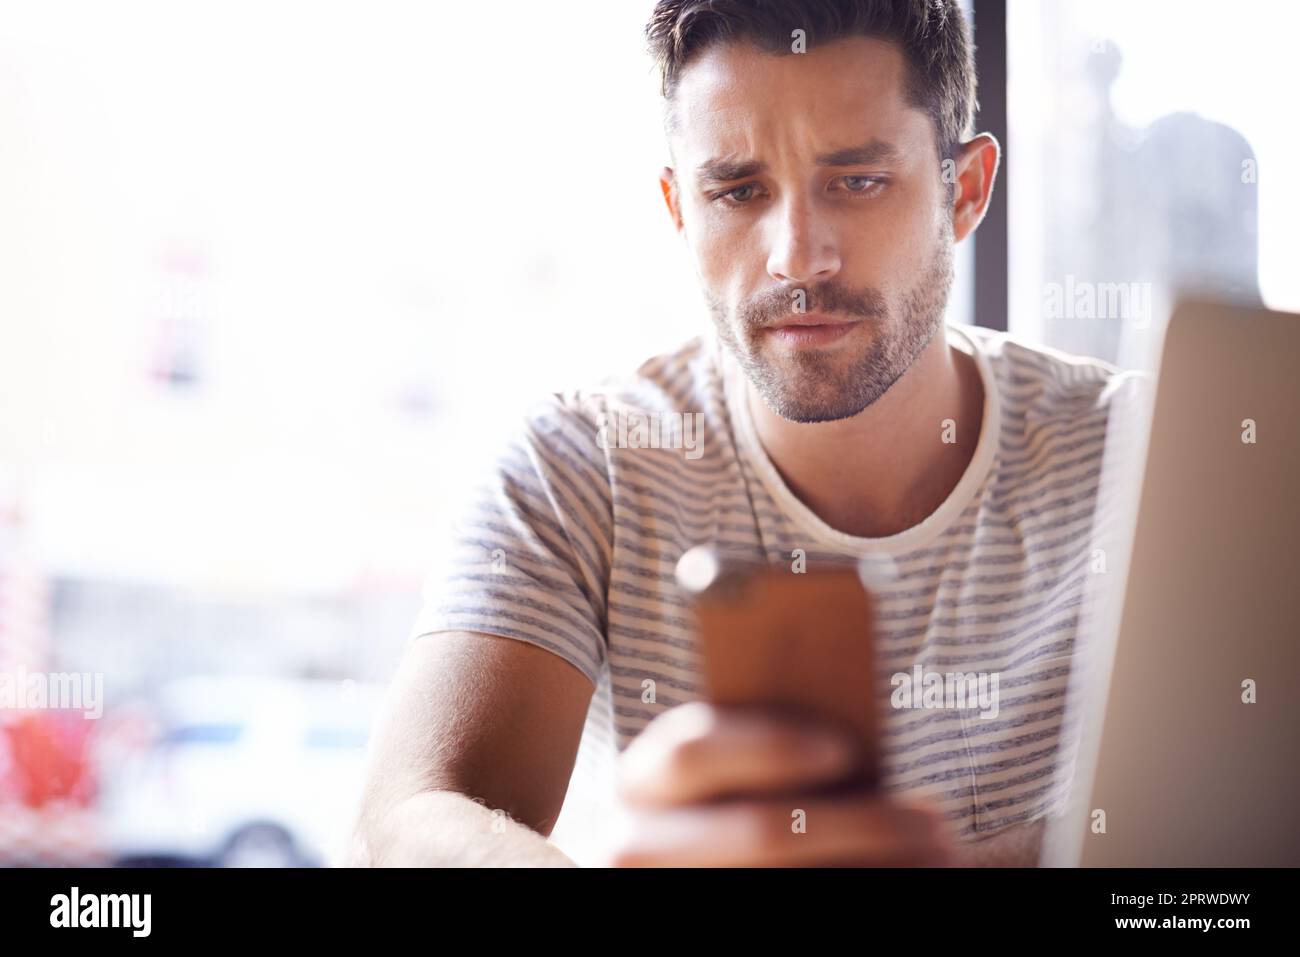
<point x="795" y="642"/>
<point x="778" y="766"/>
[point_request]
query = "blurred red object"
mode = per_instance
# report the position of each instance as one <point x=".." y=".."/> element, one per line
<point x="50" y="758"/>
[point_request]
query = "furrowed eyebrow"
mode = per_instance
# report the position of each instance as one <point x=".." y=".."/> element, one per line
<point x="721" y="170"/>
<point x="724" y="171"/>
<point x="874" y="152"/>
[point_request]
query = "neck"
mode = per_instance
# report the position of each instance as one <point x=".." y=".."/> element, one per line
<point x="890" y="466"/>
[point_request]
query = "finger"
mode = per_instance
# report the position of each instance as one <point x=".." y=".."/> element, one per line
<point x="697" y="752"/>
<point x="862" y="831"/>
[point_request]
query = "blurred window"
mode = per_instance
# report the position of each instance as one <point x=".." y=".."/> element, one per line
<point x="336" y="738"/>
<point x="216" y="734"/>
<point x="1147" y="156"/>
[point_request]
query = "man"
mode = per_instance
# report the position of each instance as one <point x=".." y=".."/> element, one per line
<point x="823" y="170"/>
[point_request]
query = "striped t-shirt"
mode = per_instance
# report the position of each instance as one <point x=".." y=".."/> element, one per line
<point x="573" y="542"/>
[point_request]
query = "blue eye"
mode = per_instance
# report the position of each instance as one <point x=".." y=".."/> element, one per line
<point x="862" y="185"/>
<point x="730" y="195"/>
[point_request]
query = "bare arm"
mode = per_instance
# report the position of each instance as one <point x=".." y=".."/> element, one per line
<point x="473" y="756"/>
<point x="449" y="829"/>
<point x="1017" y="846"/>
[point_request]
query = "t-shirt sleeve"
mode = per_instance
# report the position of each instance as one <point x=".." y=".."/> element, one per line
<point x="529" y="555"/>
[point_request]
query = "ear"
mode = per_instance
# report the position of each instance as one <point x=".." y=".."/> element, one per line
<point x="668" y="183"/>
<point x="975" y="166"/>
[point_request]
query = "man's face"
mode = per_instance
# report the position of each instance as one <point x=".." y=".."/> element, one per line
<point x="809" y="189"/>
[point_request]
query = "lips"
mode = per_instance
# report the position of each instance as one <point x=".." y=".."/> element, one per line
<point x="810" y="330"/>
<point x="811" y="319"/>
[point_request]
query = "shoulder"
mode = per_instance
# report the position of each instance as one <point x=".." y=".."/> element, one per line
<point x="682" y="380"/>
<point x="575" y="424"/>
<point x="1040" y="383"/>
<point x="1067" y="424"/>
<point x="671" y="381"/>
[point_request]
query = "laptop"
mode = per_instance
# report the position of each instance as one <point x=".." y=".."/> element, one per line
<point x="1189" y="754"/>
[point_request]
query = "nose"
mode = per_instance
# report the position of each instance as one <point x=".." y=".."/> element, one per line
<point x="803" y="247"/>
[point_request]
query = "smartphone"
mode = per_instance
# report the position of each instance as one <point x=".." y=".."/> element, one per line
<point x="801" y="642"/>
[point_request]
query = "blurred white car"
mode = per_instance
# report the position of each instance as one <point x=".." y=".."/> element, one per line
<point x="245" y="772"/>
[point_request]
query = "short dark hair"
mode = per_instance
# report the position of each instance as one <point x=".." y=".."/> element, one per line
<point x="933" y="35"/>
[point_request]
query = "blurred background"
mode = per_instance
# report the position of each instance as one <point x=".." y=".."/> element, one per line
<point x="275" y="276"/>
